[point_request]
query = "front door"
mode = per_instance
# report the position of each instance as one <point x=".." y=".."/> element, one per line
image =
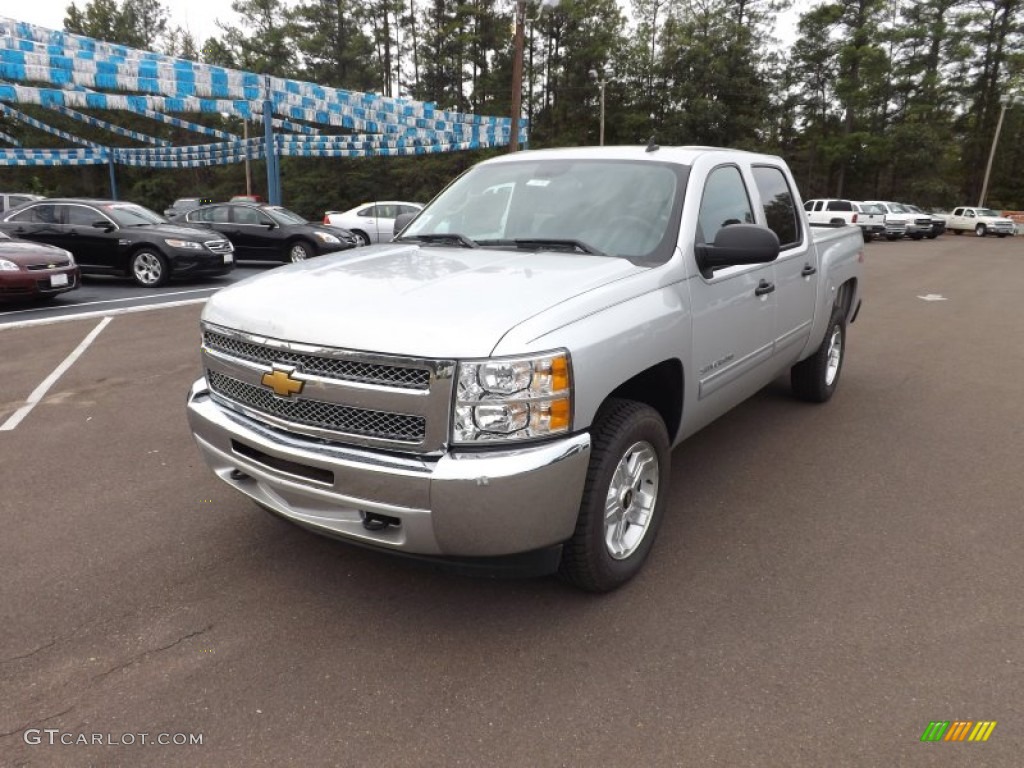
<point x="734" y="308"/>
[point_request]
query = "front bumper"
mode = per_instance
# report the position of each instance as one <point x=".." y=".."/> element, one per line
<point x="463" y="504"/>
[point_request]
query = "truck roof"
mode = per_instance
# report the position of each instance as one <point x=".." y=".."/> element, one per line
<point x="682" y="155"/>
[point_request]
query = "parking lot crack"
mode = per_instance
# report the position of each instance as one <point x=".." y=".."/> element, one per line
<point x="140" y="656"/>
<point x="22" y="728"/>
<point x="31" y="653"/>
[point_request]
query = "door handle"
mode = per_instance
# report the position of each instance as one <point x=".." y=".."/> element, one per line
<point x="763" y="288"/>
<point x="807" y="271"/>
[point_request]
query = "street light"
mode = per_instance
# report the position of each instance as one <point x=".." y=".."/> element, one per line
<point x="602" y="81"/>
<point x="517" y="67"/>
<point x="1006" y="101"/>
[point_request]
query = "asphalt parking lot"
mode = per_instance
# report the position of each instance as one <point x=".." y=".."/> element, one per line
<point x="830" y="579"/>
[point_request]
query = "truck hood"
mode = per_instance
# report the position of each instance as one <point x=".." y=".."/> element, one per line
<point x="422" y="301"/>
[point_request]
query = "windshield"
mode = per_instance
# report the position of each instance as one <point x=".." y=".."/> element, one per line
<point x="613" y="207"/>
<point x="283" y="215"/>
<point x="132" y="215"/>
<point x="989" y="212"/>
<point x="869" y="208"/>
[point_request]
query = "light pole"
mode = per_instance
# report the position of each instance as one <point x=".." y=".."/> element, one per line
<point x="1005" y="101"/>
<point x="602" y="81"/>
<point x="517" y="75"/>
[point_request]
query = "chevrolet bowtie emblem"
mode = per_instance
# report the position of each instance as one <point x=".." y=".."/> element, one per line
<point x="280" y="380"/>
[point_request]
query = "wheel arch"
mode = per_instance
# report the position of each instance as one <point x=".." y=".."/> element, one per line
<point x="660" y="386"/>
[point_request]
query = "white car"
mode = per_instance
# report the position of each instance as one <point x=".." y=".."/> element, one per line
<point x="980" y="221"/>
<point x="371" y="222"/>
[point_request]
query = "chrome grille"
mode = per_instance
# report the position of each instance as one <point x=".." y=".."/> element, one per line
<point x="50" y="265"/>
<point x="314" y="413"/>
<point x="219" y="246"/>
<point x="315" y="365"/>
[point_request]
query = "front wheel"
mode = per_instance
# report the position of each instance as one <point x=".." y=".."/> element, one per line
<point x="361" y="237"/>
<point x="958" y="231"/>
<point x="980" y="230"/>
<point x="623" y="498"/>
<point x="892" y="238"/>
<point x="298" y="251"/>
<point x="816" y="378"/>
<point x="149" y="268"/>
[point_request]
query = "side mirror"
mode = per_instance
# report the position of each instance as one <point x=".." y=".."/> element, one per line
<point x="401" y="222"/>
<point x="270" y="225"/>
<point x="737" y="244"/>
<point x="106" y="226"/>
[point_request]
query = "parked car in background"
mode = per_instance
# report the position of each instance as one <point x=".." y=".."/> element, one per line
<point x="246" y="199"/>
<point x="915" y="226"/>
<point x="119" y="238"/>
<point x="828" y="212"/>
<point x="183" y="204"/>
<point x="980" y="221"/>
<point x="10" y="200"/>
<point x="938" y="222"/>
<point x="34" y="270"/>
<point x="870" y="219"/>
<point x="264" y="232"/>
<point x="371" y="222"/>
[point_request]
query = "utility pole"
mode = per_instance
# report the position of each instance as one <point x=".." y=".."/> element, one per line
<point x="1005" y="101"/>
<point x="517" y="76"/>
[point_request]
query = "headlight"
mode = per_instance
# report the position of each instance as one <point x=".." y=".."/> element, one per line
<point x="508" y="399"/>
<point x="8" y="266"/>
<point x="326" y="237"/>
<point x="71" y="258"/>
<point x="190" y="244"/>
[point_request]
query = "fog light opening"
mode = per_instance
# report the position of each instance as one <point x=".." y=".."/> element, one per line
<point x="375" y="522"/>
<point x="238" y="475"/>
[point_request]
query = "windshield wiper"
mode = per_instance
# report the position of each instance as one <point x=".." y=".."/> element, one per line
<point x="556" y="243"/>
<point x="442" y="237"/>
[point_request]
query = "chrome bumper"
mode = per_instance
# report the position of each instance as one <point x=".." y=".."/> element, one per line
<point x="490" y="503"/>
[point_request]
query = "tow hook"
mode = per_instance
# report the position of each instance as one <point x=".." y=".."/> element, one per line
<point x="374" y="522"/>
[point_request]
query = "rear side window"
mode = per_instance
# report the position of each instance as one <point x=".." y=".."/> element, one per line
<point x="725" y="202"/>
<point x="780" y="212"/>
<point x="839" y="205"/>
<point x="37" y="214"/>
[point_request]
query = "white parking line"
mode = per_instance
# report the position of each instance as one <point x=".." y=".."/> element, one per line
<point x="50" y="380"/>
<point x="51" y="307"/>
<point x="101" y="313"/>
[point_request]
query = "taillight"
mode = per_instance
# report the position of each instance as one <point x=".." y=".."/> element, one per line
<point x="855" y="218"/>
<point x="327" y="219"/>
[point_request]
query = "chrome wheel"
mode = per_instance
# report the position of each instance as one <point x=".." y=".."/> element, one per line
<point x="148" y="268"/>
<point x="632" y="495"/>
<point x="297" y="252"/>
<point x="362" y="237"/>
<point x="835" y="356"/>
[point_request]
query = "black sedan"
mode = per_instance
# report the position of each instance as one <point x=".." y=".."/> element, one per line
<point x="264" y="232"/>
<point x="119" y="238"/>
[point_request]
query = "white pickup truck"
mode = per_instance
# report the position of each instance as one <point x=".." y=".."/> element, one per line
<point x="504" y="383"/>
<point x="980" y="221"/>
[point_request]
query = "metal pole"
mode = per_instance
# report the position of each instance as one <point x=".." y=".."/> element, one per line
<point x="113" y="177"/>
<point x="273" y="174"/>
<point x="602" y="84"/>
<point x="248" y="168"/>
<point x="1005" y="101"/>
<point x="517" y="77"/>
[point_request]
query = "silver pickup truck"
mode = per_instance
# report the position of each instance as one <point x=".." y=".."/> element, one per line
<point x="505" y="381"/>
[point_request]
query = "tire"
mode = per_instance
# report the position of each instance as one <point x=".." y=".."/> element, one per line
<point x="816" y="378"/>
<point x="892" y="238"/>
<point x="630" y="452"/>
<point x="958" y="231"/>
<point x="297" y="251"/>
<point x="980" y="230"/>
<point x="362" y="237"/>
<point x="148" y="268"/>
<point x="917" y="237"/>
<point x="1001" y="236"/>
<point x="933" y="235"/>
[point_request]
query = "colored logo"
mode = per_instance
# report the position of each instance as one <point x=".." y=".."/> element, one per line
<point x="281" y="381"/>
<point x="958" y="730"/>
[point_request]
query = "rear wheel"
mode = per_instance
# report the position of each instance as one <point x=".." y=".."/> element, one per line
<point x="816" y="378"/>
<point x="149" y="268"/>
<point x="958" y="231"/>
<point x="623" y="499"/>
<point x="980" y="230"/>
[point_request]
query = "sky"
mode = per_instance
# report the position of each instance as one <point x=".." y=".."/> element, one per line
<point x="200" y="16"/>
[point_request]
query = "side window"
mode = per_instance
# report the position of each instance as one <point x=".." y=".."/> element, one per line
<point x="262" y="219"/>
<point x="809" y="205"/>
<point x="370" y="210"/>
<point x="840" y="205"/>
<point x="80" y="216"/>
<point x="386" y="211"/>
<point x="958" y="211"/>
<point x="245" y="215"/>
<point x="970" y="214"/>
<point x="819" y="204"/>
<point x="725" y="202"/>
<point x="407" y="209"/>
<point x="17" y="200"/>
<point x="217" y="214"/>
<point x="779" y="208"/>
<point x="37" y="214"/>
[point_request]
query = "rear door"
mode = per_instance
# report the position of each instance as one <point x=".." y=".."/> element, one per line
<point x="796" y="269"/>
<point x="733" y="308"/>
<point x="39" y="223"/>
<point x="93" y="246"/>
